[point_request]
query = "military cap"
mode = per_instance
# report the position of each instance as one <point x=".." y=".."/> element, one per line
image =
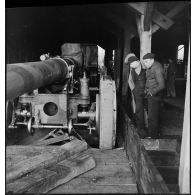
<point x="148" y="56"/>
<point x="132" y="59"/>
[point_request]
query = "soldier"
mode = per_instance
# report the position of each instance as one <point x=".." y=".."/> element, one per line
<point x="155" y="84"/>
<point x="137" y="84"/>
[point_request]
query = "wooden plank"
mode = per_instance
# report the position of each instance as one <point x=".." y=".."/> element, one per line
<point x="96" y="189"/>
<point x="162" y="20"/>
<point x="107" y="112"/>
<point x="22" y="184"/>
<point x="169" y="173"/>
<point x="109" y="156"/>
<point x="39" y="160"/>
<point x="110" y="171"/>
<point x="185" y="168"/>
<point x="45" y="180"/>
<point x="150" y="177"/>
<point x="164" y="158"/>
<point x="111" y="177"/>
<point x="160" y="144"/>
<point x="115" y="178"/>
<point x="174" y="188"/>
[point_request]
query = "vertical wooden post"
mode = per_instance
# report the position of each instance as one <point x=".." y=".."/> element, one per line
<point x="184" y="169"/>
<point x="127" y="38"/>
<point x="144" y="30"/>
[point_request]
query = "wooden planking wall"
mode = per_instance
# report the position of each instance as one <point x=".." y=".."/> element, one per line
<point x="147" y="176"/>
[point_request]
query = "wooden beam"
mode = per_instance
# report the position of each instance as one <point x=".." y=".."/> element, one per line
<point x="129" y="32"/>
<point x="171" y="14"/>
<point x="47" y="179"/>
<point x="126" y="51"/>
<point x="37" y="157"/>
<point x="138" y="7"/>
<point x="184" y="169"/>
<point x="158" y="18"/>
<point x="162" y="20"/>
<point x="144" y="36"/>
<point x="160" y="144"/>
<point x="148" y="15"/>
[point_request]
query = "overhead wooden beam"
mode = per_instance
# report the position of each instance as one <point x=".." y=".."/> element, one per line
<point x="172" y="13"/>
<point x="148" y="15"/>
<point x="158" y="18"/>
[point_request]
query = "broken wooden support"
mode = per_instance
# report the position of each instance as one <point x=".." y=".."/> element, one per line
<point x="46" y="179"/>
<point x="21" y="160"/>
<point x="160" y="144"/>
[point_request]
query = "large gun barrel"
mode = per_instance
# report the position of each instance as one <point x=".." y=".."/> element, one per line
<point x="25" y="77"/>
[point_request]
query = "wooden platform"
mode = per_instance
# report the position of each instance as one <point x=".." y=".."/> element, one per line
<point x="112" y="174"/>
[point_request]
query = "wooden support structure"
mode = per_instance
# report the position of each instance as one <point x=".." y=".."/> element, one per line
<point x="171" y="14"/>
<point x="126" y="51"/>
<point x="128" y="32"/>
<point x="148" y="177"/>
<point x="144" y="36"/>
<point x="184" y="169"/>
<point x="161" y="20"/>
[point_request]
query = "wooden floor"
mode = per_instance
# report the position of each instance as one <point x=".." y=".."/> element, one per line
<point x="112" y="174"/>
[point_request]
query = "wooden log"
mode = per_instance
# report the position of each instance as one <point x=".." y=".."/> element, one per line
<point x="47" y="179"/>
<point x="39" y="159"/>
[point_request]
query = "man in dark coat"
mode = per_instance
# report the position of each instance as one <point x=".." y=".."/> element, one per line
<point x="155" y="84"/>
<point x="137" y="84"/>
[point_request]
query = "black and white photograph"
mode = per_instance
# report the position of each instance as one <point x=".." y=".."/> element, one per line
<point x="97" y="97"/>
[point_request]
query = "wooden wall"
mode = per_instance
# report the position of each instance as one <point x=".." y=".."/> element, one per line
<point x="147" y="176"/>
